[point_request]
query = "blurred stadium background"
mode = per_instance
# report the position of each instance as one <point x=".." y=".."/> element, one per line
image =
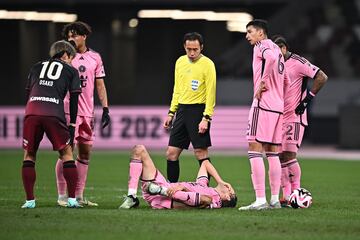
<point x="139" y="52"/>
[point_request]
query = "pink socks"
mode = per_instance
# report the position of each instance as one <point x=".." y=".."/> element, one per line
<point x="135" y="170"/>
<point x="82" y="166"/>
<point x="274" y="172"/>
<point x="294" y="173"/>
<point x="257" y="173"/>
<point x="291" y="175"/>
<point x="285" y="181"/>
<point x="60" y="180"/>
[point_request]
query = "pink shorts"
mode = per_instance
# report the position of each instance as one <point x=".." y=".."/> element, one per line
<point x="264" y="126"/>
<point x="84" y="132"/>
<point x="157" y="201"/>
<point x="293" y="134"/>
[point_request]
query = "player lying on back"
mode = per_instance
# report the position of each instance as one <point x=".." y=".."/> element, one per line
<point x="296" y="101"/>
<point x="160" y="194"/>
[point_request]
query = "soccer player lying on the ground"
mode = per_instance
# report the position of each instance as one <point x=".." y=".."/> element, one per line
<point x="296" y="101"/>
<point x="161" y="194"/>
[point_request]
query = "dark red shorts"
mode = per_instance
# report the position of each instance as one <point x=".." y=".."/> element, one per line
<point x="35" y="127"/>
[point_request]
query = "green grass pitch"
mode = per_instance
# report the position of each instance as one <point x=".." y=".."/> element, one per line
<point x="335" y="213"/>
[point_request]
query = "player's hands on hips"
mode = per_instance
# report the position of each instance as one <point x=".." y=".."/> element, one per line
<point x="105" y="118"/>
<point x="262" y="88"/>
<point x="203" y="126"/>
<point x="168" y="121"/>
<point x="300" y="109"/>
<point x="72" y="135"/>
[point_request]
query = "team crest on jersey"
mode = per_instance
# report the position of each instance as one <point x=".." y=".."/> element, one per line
<point x="82" y="68"/>
<point x="194" y="84"/>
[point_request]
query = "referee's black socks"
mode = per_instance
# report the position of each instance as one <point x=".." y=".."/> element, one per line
<point x="173" y="170"/>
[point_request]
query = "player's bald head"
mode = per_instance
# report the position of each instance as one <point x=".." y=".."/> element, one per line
<point x="58" y="49"/>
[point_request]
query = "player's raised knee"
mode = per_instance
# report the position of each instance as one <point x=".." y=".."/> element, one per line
<point x="138" y="150"/>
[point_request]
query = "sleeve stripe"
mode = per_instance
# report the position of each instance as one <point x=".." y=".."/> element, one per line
<point x="297" y="57"/>
<point x="262" y="54"/>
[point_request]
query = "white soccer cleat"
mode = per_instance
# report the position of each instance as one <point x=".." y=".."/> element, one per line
<point x="275" y="205"/>
<point x="85" y="202"/>
<point x="73" y="203"/>
<point x="129" y="202"/>
<point x="62" y="202"/>
<point x="29" y="204"/>
<point x="254" y="206"/>
<point x="155" y="189"/>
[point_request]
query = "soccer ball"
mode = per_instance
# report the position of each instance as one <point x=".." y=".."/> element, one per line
<point x="300" y="198"/>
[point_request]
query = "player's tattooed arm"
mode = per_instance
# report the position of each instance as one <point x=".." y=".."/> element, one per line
<point x="319" y="81"/>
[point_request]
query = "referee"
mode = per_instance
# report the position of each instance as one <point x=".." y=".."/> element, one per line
<point x="193" y="102"/>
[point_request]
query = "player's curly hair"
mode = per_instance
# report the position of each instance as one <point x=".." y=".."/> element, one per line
<point x="79" y="28"/>
<point x="58" y="49"/>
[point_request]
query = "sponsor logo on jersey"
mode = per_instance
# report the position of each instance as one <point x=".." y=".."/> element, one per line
<point x="44" y="99"/>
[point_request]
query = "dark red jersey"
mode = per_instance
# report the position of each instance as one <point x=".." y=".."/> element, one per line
<point x="48" y="83"/>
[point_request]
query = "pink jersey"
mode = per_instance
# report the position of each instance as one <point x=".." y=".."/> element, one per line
<point x="90" y="67"/>
<point x="268" y="66"/>
<point x="201" y="186"/>
<point x="298" y="70"/>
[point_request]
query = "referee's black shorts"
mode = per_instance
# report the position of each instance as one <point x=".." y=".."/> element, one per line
<point x="185" y="128"/>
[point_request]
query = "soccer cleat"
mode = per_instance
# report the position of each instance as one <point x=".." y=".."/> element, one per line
<point x="62" y="203"/>
<point x="129" y="202"/>
<point x="155" y="189"/>
<point x="29" y="204"/>
<point x="73" y="203"/>
<point x="254" y="206"/>
<point x="84" y="202"/>
<point x="275" y="205"/>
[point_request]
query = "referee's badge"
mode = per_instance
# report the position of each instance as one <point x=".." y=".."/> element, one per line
<point x="194" y="84"/>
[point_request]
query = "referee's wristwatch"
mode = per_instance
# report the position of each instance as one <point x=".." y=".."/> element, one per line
<point x="207" y="118"/>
